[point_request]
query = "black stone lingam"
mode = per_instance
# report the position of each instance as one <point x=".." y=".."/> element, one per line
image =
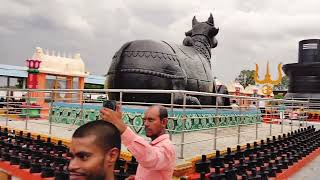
<point x="24" y="162"/>
<point x="260" y="159"/>
<point x="203" y="165"/>
<point x="132" y="166"/>
<point x="228" y="157"/>
<point x="254" y="175"/>
<point x="202" y="176"/>
<point x="256" y="147"/>
<point x="248" y="150"/>
<point x="35" y="168"/>
<point x="304" y="76"/>
<point x="217" y="175"/>
<point x="252" y="162"/>
<point x="47" y="172"/>
<point x="217" y="161"/>
<point x="231" y="171"/>
<point x="242" y="167"/>
<point x="120" y="163"/>
<point x="39" y="140"/>
<point x="61" y="174"/>
<point x="272" y="170"/>
<point x="60" y="147"/>
<point x="244" y="177"/>
<point x="121" y="175"/>
<point x="239" y="153"/>
<point x="263" y="172"/>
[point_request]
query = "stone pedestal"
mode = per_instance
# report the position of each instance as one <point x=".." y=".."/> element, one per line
<point x="304" y="76"/>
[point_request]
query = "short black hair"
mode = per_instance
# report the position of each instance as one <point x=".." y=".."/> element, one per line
<point x="163" y="113"/>
<point x="107" y="135"/>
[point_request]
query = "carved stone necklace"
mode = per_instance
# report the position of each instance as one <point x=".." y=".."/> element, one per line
<point x="202" y="45"/>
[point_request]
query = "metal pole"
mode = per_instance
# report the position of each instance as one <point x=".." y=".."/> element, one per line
<point x="215" y="134"/>
<point x="271" y="120"/>
<point x="238" y="133"/>
<point x="292" y="114"/>
<point x="172" y="115"/>
<point x="283" y="116"/>
<point x="184" y="118"/>
<point x="299" y="117"/>
<point x="50" y="112"/>
<point x="7" y="111"/>
<point x="257" y="121"/>
<point x="307" y="112"/>
<point x="120" y="99"/>
<point x="81" y="104"/>
<point x="27" y="109"/>
<point x="256" y="129"/>
<point x="239" y="129"/>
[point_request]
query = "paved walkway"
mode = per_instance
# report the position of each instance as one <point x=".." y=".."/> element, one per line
<point x="310" y="172"/>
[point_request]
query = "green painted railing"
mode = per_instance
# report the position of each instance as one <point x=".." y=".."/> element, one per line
<point x="196" y="119"/>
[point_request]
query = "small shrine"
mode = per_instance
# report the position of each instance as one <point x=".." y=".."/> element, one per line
<point x="55" y="71"/>
<point x="235" y="88"/>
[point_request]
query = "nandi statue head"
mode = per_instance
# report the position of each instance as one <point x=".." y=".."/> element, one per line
<point x="202" y="32"/>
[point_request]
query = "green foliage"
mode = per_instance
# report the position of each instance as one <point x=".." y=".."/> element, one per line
<point x="279" y="96"/>
<point x="246" y="77"/>
<point x="19" y="84"/>
<point x="93" y="86"/>
<point x="283" y="85"/>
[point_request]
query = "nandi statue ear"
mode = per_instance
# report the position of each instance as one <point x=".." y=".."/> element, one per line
<point x="194" y="21"/>
<point x="189" y="33"/>
<point x="214" y="31"/>
<point x="210" y="20"/>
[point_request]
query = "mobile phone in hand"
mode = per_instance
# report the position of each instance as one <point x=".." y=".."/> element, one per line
<point x="110" y="104"/>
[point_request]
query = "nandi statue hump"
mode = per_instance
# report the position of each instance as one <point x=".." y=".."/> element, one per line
<point x="147" y="64"/>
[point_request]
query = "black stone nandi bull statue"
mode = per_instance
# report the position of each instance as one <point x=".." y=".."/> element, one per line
<point x="147" y="64"/>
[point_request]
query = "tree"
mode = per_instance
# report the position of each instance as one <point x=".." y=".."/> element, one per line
<point x="93" y="86"/>
<point x="246" y="77"/>
<point x="19" y="84"/>
<point x="283" y="86"/>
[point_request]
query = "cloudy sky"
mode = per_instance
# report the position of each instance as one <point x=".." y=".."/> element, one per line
<point x="251" y="31"/>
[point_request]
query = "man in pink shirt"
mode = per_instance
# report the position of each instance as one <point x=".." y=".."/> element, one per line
<point x="156" y="159"/>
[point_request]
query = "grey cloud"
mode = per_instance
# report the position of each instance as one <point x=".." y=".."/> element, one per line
<point x="250" y="32"/>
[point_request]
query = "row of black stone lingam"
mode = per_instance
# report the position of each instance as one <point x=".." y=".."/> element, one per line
<point x="34" y="155"/>
<point x="124" y="169"/>
<point x="260" y="161"/>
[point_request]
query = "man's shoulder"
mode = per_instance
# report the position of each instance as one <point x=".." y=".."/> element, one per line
<point x="163" y="139"/>
<point x="165" y="142"/>
<point x="170" y="147"/>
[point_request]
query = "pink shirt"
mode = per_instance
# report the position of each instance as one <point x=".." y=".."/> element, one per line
<point x="156" y="160"/>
